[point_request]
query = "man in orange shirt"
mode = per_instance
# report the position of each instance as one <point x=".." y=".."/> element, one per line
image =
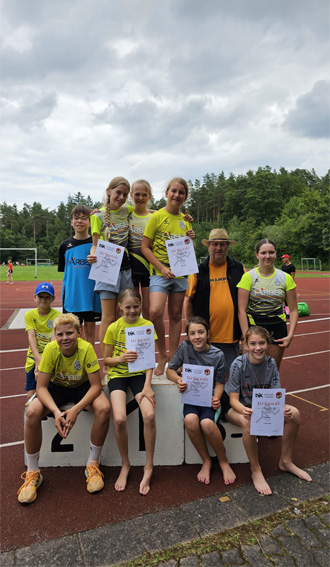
<point x="212" y="294"/>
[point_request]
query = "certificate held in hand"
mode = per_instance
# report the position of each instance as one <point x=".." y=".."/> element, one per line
<point x="199" y="381"/>
<point x="182" y="257"/>
<point x="107" y="267"/>
<point x="141" y="340"/>
<point x="268" y="411"/>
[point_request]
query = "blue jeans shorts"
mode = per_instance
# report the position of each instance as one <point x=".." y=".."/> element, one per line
<point x="109" y="291"/>
<point x="177" y="285"/>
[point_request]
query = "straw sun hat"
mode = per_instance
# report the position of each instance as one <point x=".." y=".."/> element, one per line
<point x="218" y="235"/>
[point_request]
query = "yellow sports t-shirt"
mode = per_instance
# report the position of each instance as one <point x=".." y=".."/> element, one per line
<point x="221" y="304"/>
<point x="116" y="336"/>
<point x="43" y="327"/>
<point x="267" y="295"/>
<point x="164" y="226"/>
<point x="71" y="371"/>
<point x="137" y="224"/>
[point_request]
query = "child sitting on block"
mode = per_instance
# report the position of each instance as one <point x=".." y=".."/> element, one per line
<point x="68" y="372"/>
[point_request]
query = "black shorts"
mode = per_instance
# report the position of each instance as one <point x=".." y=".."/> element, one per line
<point x="142" y="279"/>
<point x="201" y="412"/>
<point x="276" y="330"/>
<point x="62" y="395"/>
<point x="135" y="383"/>
<point x="86" y="316"/>
<point x="225" y="405"/>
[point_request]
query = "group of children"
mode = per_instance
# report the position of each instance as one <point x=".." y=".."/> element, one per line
<point x="68" y="370"/>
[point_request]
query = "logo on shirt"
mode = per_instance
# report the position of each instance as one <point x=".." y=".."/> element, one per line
<point x="277" y="282"/>
<point x="49" y="324"/>
<point x="69" y="245"/>
<point x="77" y="365"/>
<point x="181" y="224"/>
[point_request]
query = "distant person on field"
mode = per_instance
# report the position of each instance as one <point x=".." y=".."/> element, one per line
<point x="78" y="295"/>
<point x="39" y="324"/>
<point x="9" y="274"/>
<point x="69" y="372"/>
<point x="287" y="266"/>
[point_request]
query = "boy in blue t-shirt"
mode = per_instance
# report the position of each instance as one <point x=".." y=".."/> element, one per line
<point x="78" y="295"/>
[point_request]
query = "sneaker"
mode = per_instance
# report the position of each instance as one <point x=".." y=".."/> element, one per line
<point x="94" y="477"/>
<point x="28" y="491"/>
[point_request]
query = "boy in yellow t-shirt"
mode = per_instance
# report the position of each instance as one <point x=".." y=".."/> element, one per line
<point x="68" y="372"/>
<point x="39" y="328"/>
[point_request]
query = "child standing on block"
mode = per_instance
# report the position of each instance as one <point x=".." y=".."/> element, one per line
<point x="78" y="295"/>
<point x="200" y="421"/>
<point x="111" y="224"/>
<point x="140" y="193"/>
<point x="165" y="224"/>
<point x="256" y="369"/>
<point x="39" y="328"/>
<point x="68" y="372"/>
<point x="117" y="359"/>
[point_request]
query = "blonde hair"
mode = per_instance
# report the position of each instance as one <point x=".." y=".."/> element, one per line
<point x="67" y="319"/>
<point x="130" y="292"/>
<point x="115" y="182"/>
<point x="182" y="182"/>
<point x="146" y="184"/>
<point x="257" y="330"/>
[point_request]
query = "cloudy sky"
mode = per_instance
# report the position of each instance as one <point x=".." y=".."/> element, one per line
<point x="92" y="89"/>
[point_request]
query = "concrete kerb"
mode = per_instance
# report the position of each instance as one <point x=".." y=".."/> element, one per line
<point x="125" y="541"/>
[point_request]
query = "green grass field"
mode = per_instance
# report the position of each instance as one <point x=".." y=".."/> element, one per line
<point x="27" y="273"/>
<point x="50" y="273"/>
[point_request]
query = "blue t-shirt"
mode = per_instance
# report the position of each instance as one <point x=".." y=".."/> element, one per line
<point x="77" y="290"/>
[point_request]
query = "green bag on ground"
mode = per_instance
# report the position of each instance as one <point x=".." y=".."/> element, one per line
<point x="303" y="309"/>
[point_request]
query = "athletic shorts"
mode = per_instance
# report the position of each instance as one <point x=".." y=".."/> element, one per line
<point x="230" y="350"/>
<point x="276" y="330"/>
<point x="86" y="316"/>
<point x="177" y="285"/>
<point x="30" y="380"/>
<point x="109" y="291"/>
<point x="140" y="279"/>
<point x="201" y="412"/>
<point x="62" y="395"/>
<point x="225" y="404"/>
<point x="135" y="383"/>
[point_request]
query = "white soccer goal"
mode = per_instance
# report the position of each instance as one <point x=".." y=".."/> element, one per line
<point x="40" y="261"/>
<point x="311" y="264"/>
<point x="35" y="256"/>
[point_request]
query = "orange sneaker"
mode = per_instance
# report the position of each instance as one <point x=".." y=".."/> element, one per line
<point x="94" y="477"/>
<point x="28" y="491"/>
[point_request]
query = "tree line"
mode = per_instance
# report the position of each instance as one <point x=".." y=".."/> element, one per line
<point x="290" y="207"/>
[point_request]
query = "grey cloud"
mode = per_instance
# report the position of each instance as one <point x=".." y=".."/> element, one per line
<point x="30" y="114"/>
<point x="310" y="117"/>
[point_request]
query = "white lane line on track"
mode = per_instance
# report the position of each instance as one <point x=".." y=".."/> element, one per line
<point x="11" y="444"/>
<point x="309" y="389"/>
<point x="306" y="354"/>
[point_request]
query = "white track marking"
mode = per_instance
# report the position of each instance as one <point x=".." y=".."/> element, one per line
<point x="11" y="444"/>
<point x="306" y="354"/>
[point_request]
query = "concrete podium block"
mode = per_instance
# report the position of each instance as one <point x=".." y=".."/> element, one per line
<point x="169" y="449"/>
<point x="233" y="444"/>
<point x="74" y="450"/>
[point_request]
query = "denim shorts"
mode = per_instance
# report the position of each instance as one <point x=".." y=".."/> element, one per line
<point x="177" y="285"/>
<point x="110" y="291"/>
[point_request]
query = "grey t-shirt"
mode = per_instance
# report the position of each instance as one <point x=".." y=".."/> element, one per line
<point x="186" y="354"/>
<point x="244" y="377"/>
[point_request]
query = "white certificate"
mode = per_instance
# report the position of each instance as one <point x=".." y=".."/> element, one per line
<point x="107" y="267"/>
<point x="200" y="384"/>
<point x="182" y="257"/>
<point x="141" y="340"/>
<point x="268" y="411"/>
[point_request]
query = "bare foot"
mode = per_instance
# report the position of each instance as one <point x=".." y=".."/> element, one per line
<point x="205" y="472"/>
<point x="290" y="467"/>
<point x="160" y="368"/>
<point x="260" y="483"/>
<point x="228" y="474"/>
<point x="121" y="481"/>
<point x="145" y="482"/>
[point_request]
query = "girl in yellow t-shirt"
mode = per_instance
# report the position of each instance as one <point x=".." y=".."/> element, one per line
<point x="111" y="224"/>
<point x="165" y="224"/>
<point x="117" y="358"/>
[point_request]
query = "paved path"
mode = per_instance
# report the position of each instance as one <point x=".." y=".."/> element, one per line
<point x="299" y="542"/>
